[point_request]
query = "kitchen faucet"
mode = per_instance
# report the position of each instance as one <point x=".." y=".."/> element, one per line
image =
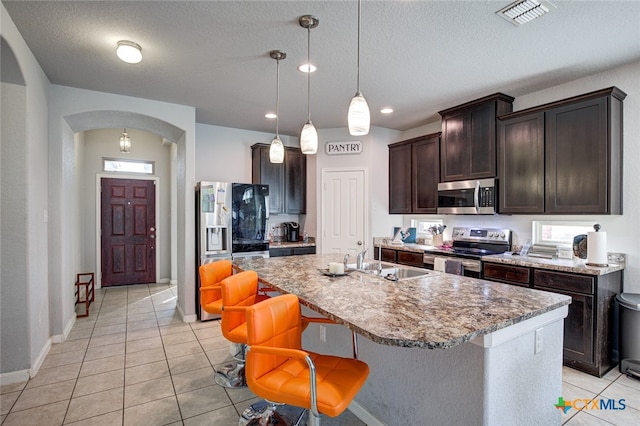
<point x="384" y="241"/>
<point x="345" y="261"/>
<point x="360" y="259"/>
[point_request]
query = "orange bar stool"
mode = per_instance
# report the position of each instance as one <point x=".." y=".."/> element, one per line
<point x="278" y="369"/>
<point x="211" y="274"/>
<point x="238" y="292"/>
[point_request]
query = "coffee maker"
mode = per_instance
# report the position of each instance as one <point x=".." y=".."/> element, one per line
<point x="292" y="231"/>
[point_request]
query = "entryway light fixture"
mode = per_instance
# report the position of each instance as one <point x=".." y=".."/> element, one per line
<point x="358" y="118"/>
<point x="309" y="134"/>
<point x="125" y="142"/>
<point x="129" y="51"/>
<point x="276" y="151"/>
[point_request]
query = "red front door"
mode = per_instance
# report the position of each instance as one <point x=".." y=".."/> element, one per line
<point x="128" y="231"/>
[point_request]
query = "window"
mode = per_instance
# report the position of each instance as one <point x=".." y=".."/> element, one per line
<point x="558" y="233"/>
<point x="127" y="166"/>
<point x="422" y="226"/>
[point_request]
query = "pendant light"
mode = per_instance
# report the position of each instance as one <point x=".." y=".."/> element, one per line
<point x="276" y="150"/>
<point x="125" y="142"/>
<point x="358" y="116"/>
<point x="309" y="134"/>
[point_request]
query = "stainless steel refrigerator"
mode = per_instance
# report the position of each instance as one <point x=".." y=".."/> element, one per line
<point x="232" y="220"/>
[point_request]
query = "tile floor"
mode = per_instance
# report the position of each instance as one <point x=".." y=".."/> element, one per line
<point x="133" y="361"/>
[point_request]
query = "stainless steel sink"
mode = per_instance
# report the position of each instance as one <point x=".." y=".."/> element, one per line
<point x="397" y="274"/>
<point x="389" y="271"/>
<point x="370" y="266"/>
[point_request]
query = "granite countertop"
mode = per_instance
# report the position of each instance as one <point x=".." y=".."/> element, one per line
<point x="437" y="310"/>
<point x="290" y="244"/>
<point x="575" y="265"/>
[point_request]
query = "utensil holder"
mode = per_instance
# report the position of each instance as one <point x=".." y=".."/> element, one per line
<point x="437" y="240"/>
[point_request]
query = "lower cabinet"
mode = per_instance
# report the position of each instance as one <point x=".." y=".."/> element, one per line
<point x="401" y="257"/>
<point x="589" y="327"/>
<point x="291" y="251"/>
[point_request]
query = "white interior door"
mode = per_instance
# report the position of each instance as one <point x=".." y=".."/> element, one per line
<point x="344" y="207"/>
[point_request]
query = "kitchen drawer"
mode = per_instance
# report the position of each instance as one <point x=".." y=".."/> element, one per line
<point x="562" y="281"/>
<point x="410" y="258"/>
<point x="304" y="250"/>
<point x="508" y="274"/>
<point x="279" y="252"/>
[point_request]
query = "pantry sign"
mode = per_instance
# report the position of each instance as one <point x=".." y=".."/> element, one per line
<point x="343" y="148"/>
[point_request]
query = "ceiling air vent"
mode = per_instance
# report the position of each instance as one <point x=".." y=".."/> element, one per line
<point x="523" y="11"/>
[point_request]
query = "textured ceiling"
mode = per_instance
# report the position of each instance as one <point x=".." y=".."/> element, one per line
<point x="417" y="57"/>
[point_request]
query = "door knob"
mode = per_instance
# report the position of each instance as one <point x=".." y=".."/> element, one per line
<point x="359" y="243"/>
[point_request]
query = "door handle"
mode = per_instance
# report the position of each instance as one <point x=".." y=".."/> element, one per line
<point x="359" y="243"/>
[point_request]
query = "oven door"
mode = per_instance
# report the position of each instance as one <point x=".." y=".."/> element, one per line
<point x="472" y="267"/>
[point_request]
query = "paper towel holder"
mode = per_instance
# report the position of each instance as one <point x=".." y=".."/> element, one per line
<point x="597" y="228"/>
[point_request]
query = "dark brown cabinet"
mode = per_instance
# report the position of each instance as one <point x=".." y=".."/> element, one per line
<point x="589" y="325"/>
<point x="468" y="147"/>
<point x="414" y="175"/>
<point x="564" y="157"/>
<point x="583" y="141"/>
<point x="291" y="251"/>
<point x="588" y="328"/>
<point x="287" y="181"/>
<point x="521" y="164"/>
<point x="388" y="255"/>
<point x="517" y="275"/>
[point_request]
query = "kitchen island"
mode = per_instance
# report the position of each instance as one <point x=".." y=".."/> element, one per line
<point x="484" y="360"/>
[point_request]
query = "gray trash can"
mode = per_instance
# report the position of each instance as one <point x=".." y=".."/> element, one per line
<point x="629" y="334"/>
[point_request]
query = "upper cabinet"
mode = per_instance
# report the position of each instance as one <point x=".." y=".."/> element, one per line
<point x="468" y="149"/>
<point x="287" y="181"/>
<point x="563" y="157"/>
<point x="414" y="174"/>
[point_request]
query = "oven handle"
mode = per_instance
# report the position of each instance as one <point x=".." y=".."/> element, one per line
<point x="476" y="196"/>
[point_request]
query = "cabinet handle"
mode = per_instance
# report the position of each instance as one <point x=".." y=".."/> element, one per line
<point x="476" y="194"/>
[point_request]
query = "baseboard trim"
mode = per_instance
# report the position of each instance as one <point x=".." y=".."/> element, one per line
<point x="187" y="318"/>
<point x="14" y="377"/>
<point x="40" y="359"/>
<point x="360" y="412"/>
<point x="163" y="280"/>
<point x="173" y="282"/>
<point x="59" y="338"/>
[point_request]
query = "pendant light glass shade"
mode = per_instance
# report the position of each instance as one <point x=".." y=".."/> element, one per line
<point x="358" y="117"/>
<point x="309" y="134"/>
<point x="309" y="139"/>
<point x="125" y="142"/>
<point x="276" y="150"/>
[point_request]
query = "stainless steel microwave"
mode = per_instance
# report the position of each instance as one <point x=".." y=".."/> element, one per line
<point x="468" y="197"/>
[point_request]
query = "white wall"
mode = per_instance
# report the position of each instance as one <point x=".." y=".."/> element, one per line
<point x="623" y="232"/>
<point x="27" y="290"/>
<point x="104" y="143"/>
<point x="76" y="110"/>
<point x="375" y="159"/>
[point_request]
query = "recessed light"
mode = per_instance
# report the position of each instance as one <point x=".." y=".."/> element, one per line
<point x="129" y="51"/>
<point x="386" y="110"/>
<point x="270" y="115"/>
<point x="305" y="68"/>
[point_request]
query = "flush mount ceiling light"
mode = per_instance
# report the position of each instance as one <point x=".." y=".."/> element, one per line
<point x="523" y="11"/>
<point x="276" y="150"/>
<point x="125" y="142"/>
<point x="129" y="51"/>
<point x="386" y="110"/>
<point x="309" y="134"/>
<point x="358" y="117"/>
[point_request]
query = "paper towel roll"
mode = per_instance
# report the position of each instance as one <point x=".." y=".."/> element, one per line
<point x="597" y="249"/>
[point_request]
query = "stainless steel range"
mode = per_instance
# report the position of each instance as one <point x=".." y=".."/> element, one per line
<point x="469" y="245"/>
